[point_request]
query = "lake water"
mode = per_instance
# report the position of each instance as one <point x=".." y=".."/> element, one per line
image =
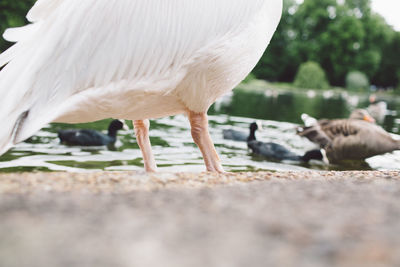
<point x="174" y="149"/>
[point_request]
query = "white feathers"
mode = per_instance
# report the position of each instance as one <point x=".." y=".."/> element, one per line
<point x="19" y="34"/>
<point x="43" y="9"/>
<point x="132" y="59"/>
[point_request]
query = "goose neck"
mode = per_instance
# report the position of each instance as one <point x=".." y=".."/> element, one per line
<point x="252" y="135"/>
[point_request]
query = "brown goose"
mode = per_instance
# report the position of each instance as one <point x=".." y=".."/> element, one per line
<point x="350" y="139"/>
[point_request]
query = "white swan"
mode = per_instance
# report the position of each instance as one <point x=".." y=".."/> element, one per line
<point x="82" y="61"/>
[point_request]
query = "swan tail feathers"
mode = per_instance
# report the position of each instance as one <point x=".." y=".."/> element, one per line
<point x="10" y="134"/>
<point x="7" y="55"/>
<point x="19" y="126"/>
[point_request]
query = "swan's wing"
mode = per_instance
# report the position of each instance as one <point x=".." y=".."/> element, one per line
<point x="42" y="9"/>
<point x="74" y="45"/>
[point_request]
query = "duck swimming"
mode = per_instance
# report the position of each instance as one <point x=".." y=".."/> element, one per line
<point x="88" y="137"/>
<point x="82" y="61"/>
<point x="230" y="134"/>
<point x="269" y="150"/>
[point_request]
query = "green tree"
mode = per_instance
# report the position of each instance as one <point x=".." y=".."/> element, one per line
<point x="357" y="81"/>
<point x="339" y="46"/>
<point x="311" y="75"/>
<point x="339" y="35"/>
<point x="389" y="69"/>
<point x="331" y="34"/>
<point x="280" y="62"/>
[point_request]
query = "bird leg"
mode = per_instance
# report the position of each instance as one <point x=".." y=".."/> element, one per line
<point x="142" y="138"/>
<point x="201" y="136"/>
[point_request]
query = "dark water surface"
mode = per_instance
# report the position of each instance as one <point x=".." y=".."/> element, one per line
<point x="174" y="149"/>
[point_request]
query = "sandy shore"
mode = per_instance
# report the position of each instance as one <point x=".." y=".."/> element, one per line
<point x="245" y="219"/>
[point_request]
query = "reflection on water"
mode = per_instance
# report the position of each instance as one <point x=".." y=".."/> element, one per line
<point x="288" y="106"/>
<point x="173" y="146"/>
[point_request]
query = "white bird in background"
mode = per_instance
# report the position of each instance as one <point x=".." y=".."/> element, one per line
<point x="81" y="61"/>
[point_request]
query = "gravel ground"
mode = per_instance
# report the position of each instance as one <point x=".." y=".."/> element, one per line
<point x="246" y="219"/>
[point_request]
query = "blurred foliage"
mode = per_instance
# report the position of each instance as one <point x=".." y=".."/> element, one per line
<point x="357" y="81"/>
<point x="251" y="77"/>
<point x="283" y="105"/>
<point x="341" y="36"/>
<point x="311" y="75"/>
<point x="389" y="69"/>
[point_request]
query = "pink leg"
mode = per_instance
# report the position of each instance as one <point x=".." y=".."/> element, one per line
<point x="201" y="137"/>
<point x="142" y="137"/>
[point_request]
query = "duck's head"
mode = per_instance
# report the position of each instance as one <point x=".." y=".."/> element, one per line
<point x="116" y="125"/>
<point x="254" y="126"/>
<point x="257" y="125"/>
<point x="316" y="154"/>
<point x="361" y="114"/>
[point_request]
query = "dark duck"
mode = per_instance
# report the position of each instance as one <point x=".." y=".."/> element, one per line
<point x="231" y="134"/>
<point x="269" y="150"/>
<point x="87" y="137"/>
<point x="276" y="151"/>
